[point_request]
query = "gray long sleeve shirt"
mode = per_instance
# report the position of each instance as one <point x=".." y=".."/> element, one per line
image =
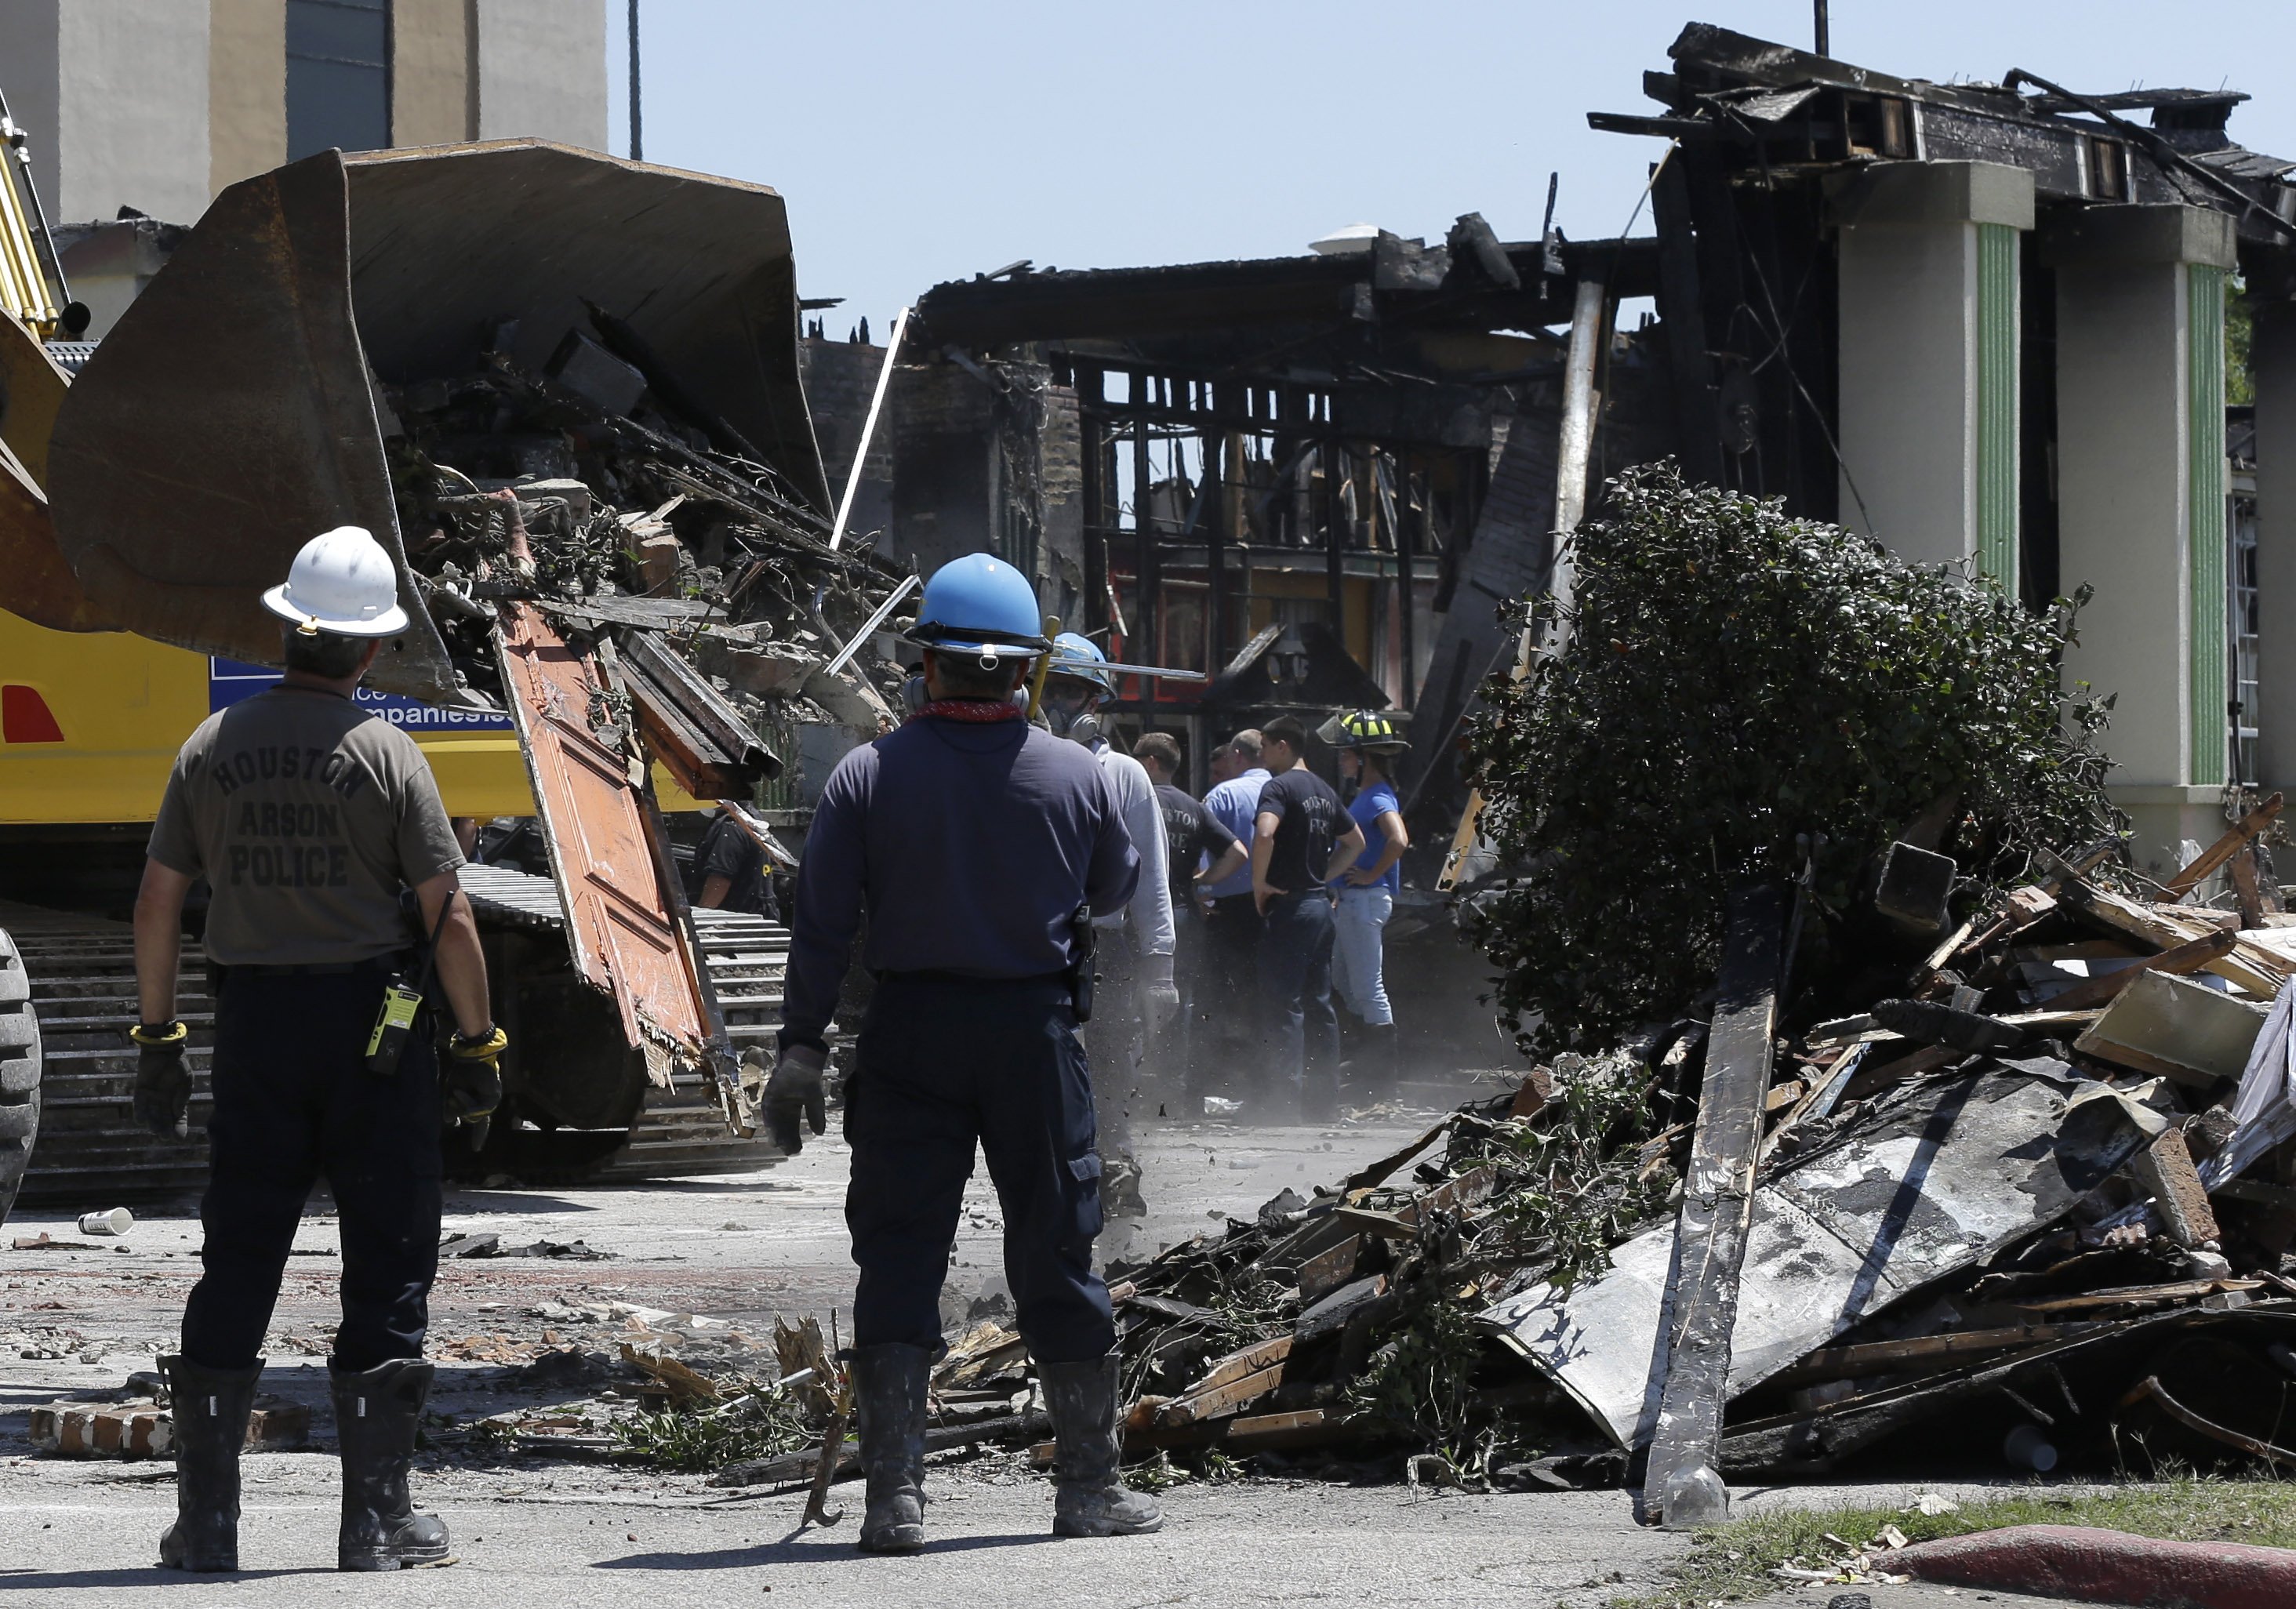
<point x="970" y="845"/>
<point x="1151" y="906"/>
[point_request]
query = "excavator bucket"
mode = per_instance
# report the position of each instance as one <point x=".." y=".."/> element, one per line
<point x="41" y="587"/>
<point x="236" y="410"/>
<point x="231" y="414"/>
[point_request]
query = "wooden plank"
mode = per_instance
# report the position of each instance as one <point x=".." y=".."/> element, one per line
<point x="1885" y="1357"/>
<point x="1388" y="1226"/>
<point x="1685" y="1483"/>
<point x="2189" y="956"/>
<point x="1270" y="1431"/>
<point x="1467" y="1190"/>
<point x="1221" y="1401"/>
<point x="1336" y="1308"/>
<point x="1327" y="1271"/>
<point x="2234" y="839"/>
<point x="2165" y="1168"/>
<point x="1378" y="1172"/>
<point x="1236" y="1365"/>
<point x="2247" y="888"/>
<point x="2138" y="1295"/>
<point x="2249" y="965"/>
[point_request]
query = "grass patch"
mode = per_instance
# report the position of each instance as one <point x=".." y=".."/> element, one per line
<point x="1734" y="1564"/>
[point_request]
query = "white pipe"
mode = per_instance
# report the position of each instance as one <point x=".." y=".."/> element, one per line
<point x="868" y="428"/>
<point x="874" y="620"/>
<point x="1577" y="449"/>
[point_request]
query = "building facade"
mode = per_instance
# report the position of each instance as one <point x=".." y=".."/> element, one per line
<point x="156" y="105"/>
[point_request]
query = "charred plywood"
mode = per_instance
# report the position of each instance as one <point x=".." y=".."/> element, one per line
<point x="1953" y="1171"/>
<point x="622" y="918"/>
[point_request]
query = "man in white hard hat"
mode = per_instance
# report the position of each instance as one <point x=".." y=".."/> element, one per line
<point x="307" y="816"/>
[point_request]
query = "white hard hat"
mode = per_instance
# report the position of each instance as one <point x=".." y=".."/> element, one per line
<point x="342" y="582"/>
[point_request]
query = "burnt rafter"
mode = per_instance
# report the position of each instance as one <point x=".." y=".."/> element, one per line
<point x="1781" y="113"/>
<point x="1396" y="282"/>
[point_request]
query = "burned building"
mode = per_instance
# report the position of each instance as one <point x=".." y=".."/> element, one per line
<point x="1986" y="322"/>
<point x="1312" y="479"/>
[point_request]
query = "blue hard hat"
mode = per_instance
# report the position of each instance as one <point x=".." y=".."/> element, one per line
<point x="1080" y="657"/>
<point x="980" y="605"/>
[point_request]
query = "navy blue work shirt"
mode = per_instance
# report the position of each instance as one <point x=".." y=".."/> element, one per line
<point x="970" y="845"/>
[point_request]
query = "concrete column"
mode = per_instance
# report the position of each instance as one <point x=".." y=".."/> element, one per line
<point x="541" y="68"/>
<point x="434" y="88"/>
<point x="2272" y="365"/>
<point x="2141" y="496"/>
<point x="114" y="93"/>
<point x="247" y="89"/>
<point x="1929" y="307"/>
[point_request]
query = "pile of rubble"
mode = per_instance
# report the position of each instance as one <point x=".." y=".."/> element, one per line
<point x="2032" y="1205"/>
<point x="634" y="514"/>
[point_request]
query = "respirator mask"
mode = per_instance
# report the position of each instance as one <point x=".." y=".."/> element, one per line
<point x="1067" y="706"/>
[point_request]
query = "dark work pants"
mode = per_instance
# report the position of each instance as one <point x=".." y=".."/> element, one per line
<point x="1231" y="1012"/>
<point x="1295" y="983"/>
<point x="294" y="1102"/>
<point x="941" y="1064"/>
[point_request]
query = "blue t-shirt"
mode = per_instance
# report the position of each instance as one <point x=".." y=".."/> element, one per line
<point x="1369" y="804"/>
<point x="1234" y="804"/>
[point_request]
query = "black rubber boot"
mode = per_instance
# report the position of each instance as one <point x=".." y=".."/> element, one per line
<point x="210" y="1409"/>
<point x="376" y="1414"/>
<point x="889" y="1394"/>
<point x="1092" y="1502"/>
<point x="1377" y="1072"/>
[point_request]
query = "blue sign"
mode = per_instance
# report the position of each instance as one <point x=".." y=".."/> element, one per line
<point x="230" y="681"/>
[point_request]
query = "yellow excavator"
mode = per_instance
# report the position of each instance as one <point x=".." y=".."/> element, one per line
<point x="148" y="492"/>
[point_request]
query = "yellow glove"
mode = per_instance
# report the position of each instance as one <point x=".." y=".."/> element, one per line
<point x="474" y="1082"/>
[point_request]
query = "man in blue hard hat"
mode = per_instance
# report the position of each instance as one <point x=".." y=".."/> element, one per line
<point x="982" y="847"/>
<point x="1135" y="998"/>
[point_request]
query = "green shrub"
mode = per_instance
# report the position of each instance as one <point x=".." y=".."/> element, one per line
<point x="1731" y="678"/>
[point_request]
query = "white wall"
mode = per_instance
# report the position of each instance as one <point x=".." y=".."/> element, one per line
<point x="542" y="70"/>
<point x="2122" y="516"/>
<point x="28" y="77"/>
<point x="133" y="130"/>
<point x="2272" y="360"/>
<point x="1908" y="364"/>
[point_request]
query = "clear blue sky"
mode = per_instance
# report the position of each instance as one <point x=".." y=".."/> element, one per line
<point x="921" y="142"/>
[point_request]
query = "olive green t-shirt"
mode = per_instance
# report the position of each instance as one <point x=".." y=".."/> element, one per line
<point x="306" y="814"/>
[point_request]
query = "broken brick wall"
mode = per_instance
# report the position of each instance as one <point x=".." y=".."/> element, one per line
<point x="989" y="458"/>
<point x="840" y="377"/>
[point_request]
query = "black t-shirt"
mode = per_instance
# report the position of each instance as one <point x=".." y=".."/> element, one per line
<point x="730" y="853"/>
<point x="1310" y="821"/>
<point x="1190" y="831"/>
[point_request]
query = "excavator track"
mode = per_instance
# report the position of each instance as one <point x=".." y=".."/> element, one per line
<point x="80" y="974"/>
<point x="680" y="1131"/>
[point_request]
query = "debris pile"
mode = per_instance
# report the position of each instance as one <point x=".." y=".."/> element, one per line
<point x="601" y="493"/>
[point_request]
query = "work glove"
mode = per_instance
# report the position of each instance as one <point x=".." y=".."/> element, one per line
<point x="473" y="1083"/>
<point x="1161" y="1000"/>
<point x="796" y="1089"/>
<point x="163" y="1084"/>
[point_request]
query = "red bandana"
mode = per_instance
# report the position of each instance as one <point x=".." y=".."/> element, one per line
<point x="979" y="711"/>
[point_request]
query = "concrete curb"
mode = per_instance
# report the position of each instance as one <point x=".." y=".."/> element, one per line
<point x="2107" y="1567"/>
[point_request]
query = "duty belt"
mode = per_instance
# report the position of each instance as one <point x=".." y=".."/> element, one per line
<point x="934" y="976"/>
<point x="392" y="962"/>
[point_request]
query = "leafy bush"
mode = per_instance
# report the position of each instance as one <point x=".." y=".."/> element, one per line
<point x="1731" y="678"/>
